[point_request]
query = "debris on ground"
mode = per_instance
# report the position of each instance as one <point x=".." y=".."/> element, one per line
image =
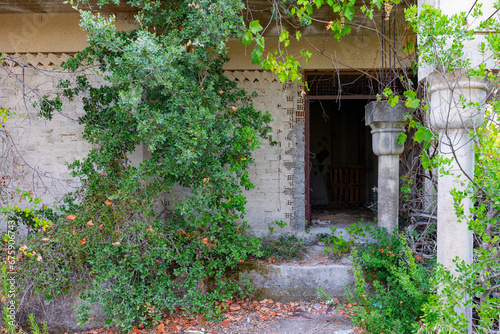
<point x="242" y="316"/>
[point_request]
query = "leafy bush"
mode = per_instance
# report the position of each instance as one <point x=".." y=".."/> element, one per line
<point x="165" y="90"/>
<point x="391" y="285"/>
<point x="136" y="268"/>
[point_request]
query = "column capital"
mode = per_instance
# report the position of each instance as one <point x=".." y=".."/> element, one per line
<point x="456" y="100"/>
<point x="387" y="123"/>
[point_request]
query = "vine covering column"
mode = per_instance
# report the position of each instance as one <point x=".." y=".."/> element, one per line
<point x="456" y="107"/>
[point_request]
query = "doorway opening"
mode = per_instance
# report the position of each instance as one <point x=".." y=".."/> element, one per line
<point x="341" y="166"/>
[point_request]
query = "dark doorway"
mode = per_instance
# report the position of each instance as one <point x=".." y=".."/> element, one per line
<point x="341" y="167"/>
<point x="341" y="159"/>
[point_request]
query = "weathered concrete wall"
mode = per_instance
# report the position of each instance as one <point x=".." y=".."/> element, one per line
<point x="278" y="171"/>
<point x="38" y="149"/>
<point x="289" y="283"/>
<point x="61" y="33"/>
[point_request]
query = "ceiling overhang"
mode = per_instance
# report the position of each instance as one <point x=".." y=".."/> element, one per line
<point x="53" y="6"/>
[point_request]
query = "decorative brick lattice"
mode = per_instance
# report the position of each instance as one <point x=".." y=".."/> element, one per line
<point x="44" y="61"/>
<point x="251" y="76"/>
<point x="300" y="114"/>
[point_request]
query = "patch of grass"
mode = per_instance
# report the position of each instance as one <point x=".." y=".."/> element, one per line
<point x="284" y="248"/>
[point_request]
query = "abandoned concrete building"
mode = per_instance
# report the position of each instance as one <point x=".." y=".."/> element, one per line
<point x="324" y="159"/>
<point x="324" y="153"/>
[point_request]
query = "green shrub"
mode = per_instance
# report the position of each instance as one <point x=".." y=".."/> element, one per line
<point x="165" y="90"/>
<point x="136" y="268"/>
<point x="340" y="245"/>
<point x="391" y="285"/>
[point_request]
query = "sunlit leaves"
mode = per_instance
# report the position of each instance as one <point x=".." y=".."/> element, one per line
<point x="401" y="138"/>
<point x="302" y="14"/>
<point x="255" y="27"/>
<point x="349" y="11"/>
<point x="284" y="38"/>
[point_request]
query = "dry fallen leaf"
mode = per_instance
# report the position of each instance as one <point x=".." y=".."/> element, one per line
<point x="115" y="243"/>
<point x="83" y="241"/>
<point x="45" y="239"/>
<point x="150" y="228"/>
<point x="89" y="223"/>
<point x="108" y="203"/>
<point x="234" y="307"/>
<point x="71" y="217"/>
<point x="205" y="240"/>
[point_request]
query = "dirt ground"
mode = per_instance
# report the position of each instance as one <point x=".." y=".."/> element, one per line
<point x="261" y="317"/>
<point x="303" y="317"/>
<point x="334" y="216"/>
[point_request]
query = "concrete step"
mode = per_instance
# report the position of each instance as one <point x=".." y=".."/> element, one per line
<point x="297" y="282"/>
<point x="300" y="279"/>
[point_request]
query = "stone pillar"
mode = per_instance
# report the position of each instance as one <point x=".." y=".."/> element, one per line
<point x="387" y="124"/>
<point x="453" y="121"/>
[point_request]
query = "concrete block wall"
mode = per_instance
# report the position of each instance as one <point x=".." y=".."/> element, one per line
<point x="41" y="149"/>
<point x="36" y="151"/>
<point x="278" y="171"/>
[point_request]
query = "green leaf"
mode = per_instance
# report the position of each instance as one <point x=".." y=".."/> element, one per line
<point x="387" y="92"/>
<point x="319" y="3"/>
<point x="283" y="35"/>
<point x="423" y="134"/>
<point x="247" y="38"/>
<point x="346" y="30"/>
<point x="393" y="100"/>
<point x="255" y="27"/>
<point x="401" y="139"/>
<point x="410" y="94"/>
<point x="256" y="55"/>
<point x="349" y="11"/>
